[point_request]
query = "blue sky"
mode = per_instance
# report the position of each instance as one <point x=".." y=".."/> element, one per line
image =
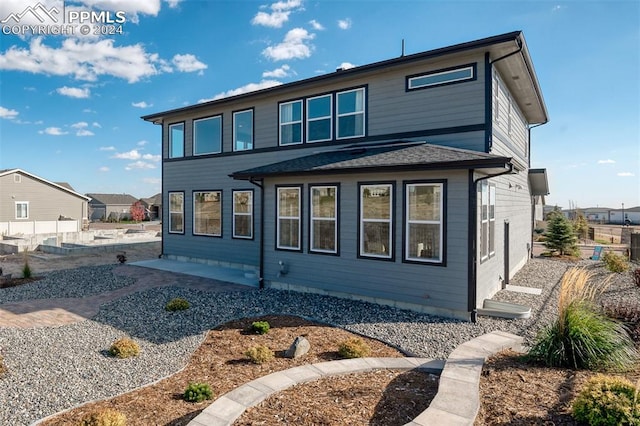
<point x="70" y="105"/>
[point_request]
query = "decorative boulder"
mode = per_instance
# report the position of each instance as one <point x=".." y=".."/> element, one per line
<point x="298" y="348"/>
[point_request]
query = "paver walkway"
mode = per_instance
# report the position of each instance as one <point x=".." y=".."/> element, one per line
<point x="57" y="312"/>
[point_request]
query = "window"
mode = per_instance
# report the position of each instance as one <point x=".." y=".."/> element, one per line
<point x="319" y="121"/>
<point x="288" y="232"/>
<point x="207" y="213"/>
<point x="487" y="219"/>
<point x="17" y="178"/>
<point x="291" y="123"/>
<point x="22" y="210"/>
<point x="441" y="77"/>
<point x="324" y="225"/>
<point x="376" y="219"/>
<point x="243" y="214"/>
<point x="176" y="212"/>
<point x="243" y="130"/>
<point x="176" y="140"/>
<point x="207" y="135"/>
<point x="350" y="113"/>
<point x="424" y="222"/>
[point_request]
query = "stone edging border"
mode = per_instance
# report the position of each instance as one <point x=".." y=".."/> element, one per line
<point x="456" y="403"/>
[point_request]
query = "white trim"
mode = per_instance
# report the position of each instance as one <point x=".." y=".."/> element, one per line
<point x="362" y="220"/>
<point x="290" y="123"/>
<point x="234" y="214"/>
<point x="195" y="135"/>
<point x="233" y="125"/>
<point x="171" y="140"/>
<point x="333" y="219"/>
<point x="441" y="73"/>
<point x="298" y="218"/>
<point x="363" y="113"/>
<point x="181" y="212"/>
<point x="15" y="210"/>
<point x="440" y="222"/>
<point x="329" y="117"/>
<point x="219" y="192"/>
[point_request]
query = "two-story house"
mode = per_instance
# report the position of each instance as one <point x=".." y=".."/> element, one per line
<point x="402" y="182"/>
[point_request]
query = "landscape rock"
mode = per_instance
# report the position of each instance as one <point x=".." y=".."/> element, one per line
<point x="298" y="348"/>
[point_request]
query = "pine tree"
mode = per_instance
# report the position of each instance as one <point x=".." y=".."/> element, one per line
<point x="560" y="235"/>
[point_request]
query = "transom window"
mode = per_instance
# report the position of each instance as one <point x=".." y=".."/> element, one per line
<point x="291" y="123"/>
<point x="207" y="135"/>
<point x="289" y="211"/>
<point x="350" y="105"/>
<point x="243" y="130"/>
<point x="441" y="77"/>
<point x="176" y="140"/>
<point x="207" y="213"/>
<point x="376" y="220"/>
<point x="22" y="210"/>
<point x="424" y="222"/>
<point x="176" y="212"/>
<point x="324" y="213"/>
<point x="319" y="118"/>
<point x="242" y="214"/>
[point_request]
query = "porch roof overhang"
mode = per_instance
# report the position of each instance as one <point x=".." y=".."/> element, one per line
<point x="538" y="182"/>
<point x="385" y="157"/>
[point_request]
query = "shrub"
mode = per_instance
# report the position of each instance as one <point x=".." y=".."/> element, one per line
<point x="26" y="270"/>
<point x="177" y="304"/>
<point x="629" y="313"/>
<point x="615" y="262"/>
<point x="636" y="277"/>
<point x="260" y="327"/>
<point x="354" y="347"/>
<point x="124" y="348"/>
<point x="104" y="417"/>
<point x="607" y="401"/>
<point x="122" y="257"/>
<point x="197" y="392"/>
<point x="259" y="354"/>
<point x="582" y="336"/>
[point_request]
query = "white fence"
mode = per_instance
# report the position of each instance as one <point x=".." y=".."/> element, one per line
<point x="39" y="227"/>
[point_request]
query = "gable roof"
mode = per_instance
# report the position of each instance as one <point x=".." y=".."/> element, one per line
<point x="112" y="199"/>
<point x="508" y="52"/>
<point x="61" y="186"/>
<point x="154" y="200"/>
<point x="381" y="157"/>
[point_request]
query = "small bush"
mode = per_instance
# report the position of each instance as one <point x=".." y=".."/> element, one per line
<point x="260" y="327"/>
<point x="259" y="354"/>
<point x="124" y="348"/>
<point x="607" y="401"/>
<point x="636" y="277"/>
<point x="177" y="304"/>
<point x="615" y="262"/>
<point x="354" y="347"/>
<point x="104" y="417"/>
<point x="197" y="392"/>
<point x="122" y="257"/>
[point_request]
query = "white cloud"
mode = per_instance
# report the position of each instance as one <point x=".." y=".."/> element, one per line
<point x="141" y="104"/>
<point x="279" y="14"/>
<point x="53" y="131"/>
<point x="80" y="125"/>
<point x="173" y="3"/>
<point x="293" y="46"/>
<point x="142" y="143"/>
<point x="251" y="87"/>
<point x="96" y="124"/>
<point x="107" y="148"/>
<point x="130" y="155"/>
<point x="344" y="24"/>
<point x="9" y="114"/>
<point x="103" y="169"/>
<point x="609" y="161"/>
<point x="346" y="65"/>
<point x="74" y="92"/>
<point x="281" y="72"/>
<point x="153" y="181"/>
<point x="84" y="132"/>
<point x="188" y="63"/>
<point x="626" y="174"/>
<point x="151" y="157"/>
<point x="140" y="165"/>
<point x="89" y="110"/>
<point x="316" y="25"/>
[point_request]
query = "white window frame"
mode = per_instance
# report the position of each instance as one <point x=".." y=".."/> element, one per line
<point x="181" y="212"/>
<point x="290" y="123"/>
<point x="234" y="141"/>
<point x="440" y="222"/>
<point x="347" y="114"/>
<point x="492" y="220"/>
<point x="363" y="220"/>
<point x="280" y="217"/>
<point x="219" y="192"/>
<point x="26" y="205"/>
<point x="329" y="117"/>
<point x="313" y="219"/>
<point x="195" y="135"/>
<point x="412" y="79"/>
<point x="171" y="141"/>
<point x="249" y="214"/>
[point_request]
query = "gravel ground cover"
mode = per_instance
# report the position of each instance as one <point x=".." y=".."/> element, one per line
<point x="51" y="369"/>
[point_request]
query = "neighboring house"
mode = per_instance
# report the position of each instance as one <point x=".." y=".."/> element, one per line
<point x="110" y="206"/>
<point x="404" y="182"/>
<point x="596" y="214"/>
<point x="631" y="216"/>
<point x="539" y="186"/>
<point x="153" y="205"/>
<point x="29" y="204"/>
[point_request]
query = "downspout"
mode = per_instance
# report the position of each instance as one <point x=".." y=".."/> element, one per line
<point x="261" y="266"/>
<point x="473" y="237"/>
